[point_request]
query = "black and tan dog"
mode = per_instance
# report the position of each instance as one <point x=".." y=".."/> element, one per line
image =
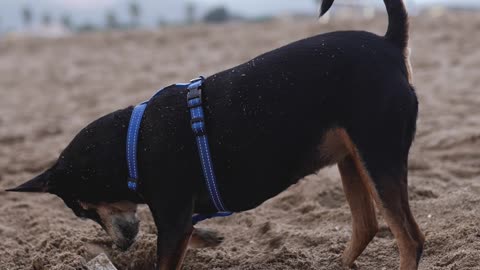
<point x="339" y="98"/>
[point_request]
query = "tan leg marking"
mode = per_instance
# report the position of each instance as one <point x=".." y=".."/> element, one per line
<point x="394" y="207"/>
<point x="176" y="262"/>
<point x="359" y="165"/>
<point x="364" y="220"/>
<point x="184" y="248"/>
<point x="333" y="148"/>
<point x="410" y="240"/>
<point x="359" y="190"/>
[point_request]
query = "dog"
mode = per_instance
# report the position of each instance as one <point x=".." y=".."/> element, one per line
<point x="341" y="98"/>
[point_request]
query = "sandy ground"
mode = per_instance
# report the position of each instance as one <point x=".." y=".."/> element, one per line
<point x="50" y="89"/>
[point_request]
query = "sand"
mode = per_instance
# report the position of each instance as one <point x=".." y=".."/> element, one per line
<point x="51" y="88"/>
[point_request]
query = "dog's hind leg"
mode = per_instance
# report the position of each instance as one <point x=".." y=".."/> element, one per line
<point x="392" y="191"/>
<point x="364" y="221"/>
<point x="385" y="164"/>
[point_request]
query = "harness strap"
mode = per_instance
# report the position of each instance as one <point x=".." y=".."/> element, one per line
<point x="194" y="102"/>
<point x="132" y="141"/>
<point x="132" y="138"/>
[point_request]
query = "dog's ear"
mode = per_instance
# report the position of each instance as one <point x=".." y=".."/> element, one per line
<point x="37" y="184"/>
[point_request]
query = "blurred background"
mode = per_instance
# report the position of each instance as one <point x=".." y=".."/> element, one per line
<point x="64" y="63"/>
<point x="61" y="17"/>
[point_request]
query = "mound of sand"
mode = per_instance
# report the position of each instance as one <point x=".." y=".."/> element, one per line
<point x="51" y="88"/>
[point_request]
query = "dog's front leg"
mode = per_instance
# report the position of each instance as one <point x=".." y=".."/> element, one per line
<point x="174" y="226"/>
<point x="171" y="248"/>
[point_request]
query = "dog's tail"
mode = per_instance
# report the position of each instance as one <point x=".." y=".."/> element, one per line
<point x="397" y="32"/>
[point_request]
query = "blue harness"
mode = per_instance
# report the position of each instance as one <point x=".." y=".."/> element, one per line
<point x="194" y="103"/>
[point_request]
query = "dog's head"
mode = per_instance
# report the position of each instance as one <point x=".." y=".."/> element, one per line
<point x="91" y="177"/>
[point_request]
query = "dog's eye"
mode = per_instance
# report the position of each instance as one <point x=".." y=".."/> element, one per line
<point x="91" y="214"/>
<point x="82" y="216"/>
<point x="79" y="212"/>
<point x="82" y="210"/>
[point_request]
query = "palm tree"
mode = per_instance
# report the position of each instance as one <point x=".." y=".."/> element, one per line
<point x="134" y="11"/>
<point x="111" y="20"/>
<point x="190" y="10"/>
<point x="46" y="19"/>
<point x="66" y="21"/>
<point x="27" y="17"/>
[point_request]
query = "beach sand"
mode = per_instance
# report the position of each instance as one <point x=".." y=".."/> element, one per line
<point x="51" y="88"/>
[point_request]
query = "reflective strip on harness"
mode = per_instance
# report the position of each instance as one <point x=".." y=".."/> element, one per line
<point x="194" y="103"/>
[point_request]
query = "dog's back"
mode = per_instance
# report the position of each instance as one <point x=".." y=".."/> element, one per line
<point x="276" y="108"/>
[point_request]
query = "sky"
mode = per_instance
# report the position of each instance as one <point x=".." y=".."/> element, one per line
<point x="93" y="11"/>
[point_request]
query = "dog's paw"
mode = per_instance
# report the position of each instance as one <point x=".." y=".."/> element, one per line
<point x="202" y="238"/>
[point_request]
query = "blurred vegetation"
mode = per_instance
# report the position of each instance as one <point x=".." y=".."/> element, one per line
<point x="66" y="21"/>
<point x="46" y="19"/>
<point x="86" y="27"/>
<point x="111" y="21"/>
<point x="134" y="11"/>
<point x="218" y="14"/>
<point x="190" y="12"/>
<point x="27" y="16"/>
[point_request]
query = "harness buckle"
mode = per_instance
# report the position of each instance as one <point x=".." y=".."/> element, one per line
<point x="200" y="80"/>
<point x="194" y="91"/>
<point x="194" y="94"/>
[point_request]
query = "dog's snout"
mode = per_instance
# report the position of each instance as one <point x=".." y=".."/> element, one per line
<point x="125" y="231"/>
<point x="128" y="228"/>
<point x="119" y="220"/>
